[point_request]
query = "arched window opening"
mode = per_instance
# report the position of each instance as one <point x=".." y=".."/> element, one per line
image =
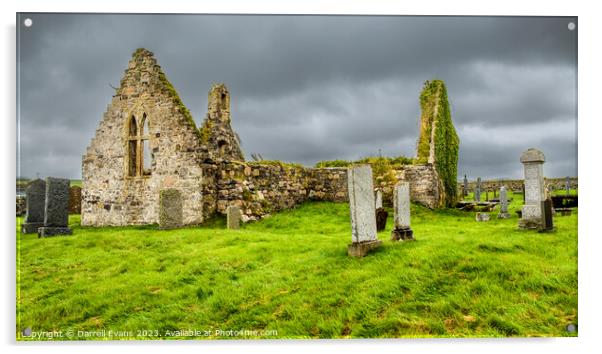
<point x="139" y="152"/>
<point x="221" y="145"/>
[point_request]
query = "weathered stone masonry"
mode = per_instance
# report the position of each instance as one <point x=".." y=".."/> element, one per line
<point x="147" y="142"/>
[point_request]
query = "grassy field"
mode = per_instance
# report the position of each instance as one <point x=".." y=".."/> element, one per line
<point x="289" y="276"/>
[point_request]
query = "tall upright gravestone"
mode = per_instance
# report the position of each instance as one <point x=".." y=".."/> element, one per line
<point x="532" y="160"/>
<point x="56" y="208"/>
<point x="362" y="209"/>
<point x="503" y="204"/>
<point x="35" y="197"/>
<point x="401" y="206"/>
<point x="379" y="199"/>
<point x="170" y="209"/>
<point x="233" y="217"/>
<point x="477" y="190"/>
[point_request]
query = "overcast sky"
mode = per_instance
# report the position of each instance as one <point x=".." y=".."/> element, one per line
<point x="311" y="88"/>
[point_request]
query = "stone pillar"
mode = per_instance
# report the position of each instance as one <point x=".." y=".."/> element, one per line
<point x="532" y="160"/>
<point x="362" y="209"/>
<point x="503" y="204"/>
<point x="568" y="185"/>
<point x="477" y="190"/>
<point x="401" y="206"/>
<point x="233" y="217"/>
<point x="465" y="191"/>
<point x="35" y="200"/>
<point x="56" y="208"/>
<point x="170" y="209"/>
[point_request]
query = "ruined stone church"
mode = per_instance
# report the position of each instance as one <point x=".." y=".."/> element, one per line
<point x="148" y="141"/>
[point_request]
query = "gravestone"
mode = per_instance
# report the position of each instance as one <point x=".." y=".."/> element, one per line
<point x="568" y="185"/>
<point x="547" y="219"/>
<point x="503" y="204"/>
<point x="381" y="219"/>
<point x="465" y="191"/>
<point x="477" y="190"/>
<point x="361" y="206"/>
<point x="35" y="197"/>
<point x="532" y="160"/>
<point x="401" y="207"/>
<point x="487" y="195"/>
<point x="56" y="208"/>
<point x="170" y="209"/>
<point x="233" y="217"/>
<point x="379" y="199"/>
<point x="75" y="200"/>
<point x="482" y="217"/>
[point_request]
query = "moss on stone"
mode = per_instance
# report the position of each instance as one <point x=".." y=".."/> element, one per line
<point x="436" y="114"/>
<point x="178" y="102"/>
<point x="276" y="163"/>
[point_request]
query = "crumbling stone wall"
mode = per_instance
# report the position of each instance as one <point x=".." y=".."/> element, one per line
<point x="110" y="194"/>
<point x="516" y="185"/>
<point x="438" y="143"/>
<point x="426" y="187"/>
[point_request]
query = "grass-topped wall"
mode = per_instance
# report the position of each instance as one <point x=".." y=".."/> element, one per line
<point x="438" y="142"/>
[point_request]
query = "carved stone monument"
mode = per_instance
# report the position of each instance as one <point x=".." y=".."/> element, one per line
<point x="477" y="190"/>
<point x="35" y="197"/>
<point x="401" y="206"/>
<point x="503" y="204"/>
<point x="361" y="205"/>
<point x="532" y="160"/>
<point x="56" y="208"/>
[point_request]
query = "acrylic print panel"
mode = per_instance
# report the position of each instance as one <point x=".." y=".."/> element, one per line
<point x="166" y="122"/>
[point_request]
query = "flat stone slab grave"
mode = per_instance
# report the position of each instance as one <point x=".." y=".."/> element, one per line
<point x="362" y="209"/>
<point x="56" y="208"/>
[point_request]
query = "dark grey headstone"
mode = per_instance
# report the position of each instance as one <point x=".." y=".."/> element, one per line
<point x="170" y="209"/>
<point x="57" y="202"/>
<point x="465" y="191"/>
<point x="381" y="219"/>
<point x="56" y="210"/>
<point x="35" y="196"/>
<point x="547" y="221"/>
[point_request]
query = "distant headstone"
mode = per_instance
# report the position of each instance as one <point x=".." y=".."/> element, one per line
<point x="379" y="199"/>
<point x="465" y="191"/>
<point x="503" y="204"/>
<point x="35" y="197"/>
<point x="547" y="219"/>
<point x="170" y="209"/>
<point x="233" y="217"/>
<point x="568" y="185"/>
<point x="482" y="217"/>
<point x="487" y="195"/>
<point x="533" y="160"/>
<point x="75" y="200"/>
<point x="381" y="219"/>
<point x="56" y="208"/>
<point x="362" y="209"/>
<point x="401" y="206"/>
<point x="477" y="190"/>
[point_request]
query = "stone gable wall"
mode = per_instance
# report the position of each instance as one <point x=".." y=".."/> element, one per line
<point x="109" y="195"/>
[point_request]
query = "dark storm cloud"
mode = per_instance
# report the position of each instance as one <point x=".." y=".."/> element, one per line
<point x="308" y="88"/>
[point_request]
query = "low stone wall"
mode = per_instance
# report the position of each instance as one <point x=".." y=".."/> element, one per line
<point x="75" y="200"/>
<point x="425" y="186"/>
<point x="516" y="185"/>
<point x="259" y="189"/>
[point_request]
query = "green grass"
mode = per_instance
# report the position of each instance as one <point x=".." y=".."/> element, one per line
<point x="291" y="273"/>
